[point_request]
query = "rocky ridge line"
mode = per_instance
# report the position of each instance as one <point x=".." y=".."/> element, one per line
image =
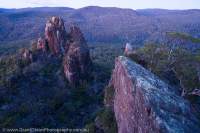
<point x="144" y="103"/>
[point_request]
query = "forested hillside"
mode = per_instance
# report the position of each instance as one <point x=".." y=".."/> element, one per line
<point x="100" y="24"/>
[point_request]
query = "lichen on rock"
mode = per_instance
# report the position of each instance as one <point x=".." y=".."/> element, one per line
<point x="144" y="103"/>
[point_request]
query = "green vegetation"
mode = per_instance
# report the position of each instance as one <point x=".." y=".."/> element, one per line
<point x="107" y="120"/>
<point x="109" y="96"/>
<point x="9" y="120"/>
<point x="104" y="122"/>
<point x="9" y="48"/>
<point x="67" y="103"/>
<point x="104" y="119"/>
<point x="80" y="98"/>
<point x="104" y="54"/>
<point x="184" y="36"/>
<point x="50" y="94"/>
<point x="164" y="61"/>
<point x="91" y="127"/>
<point x="10" y="68"/>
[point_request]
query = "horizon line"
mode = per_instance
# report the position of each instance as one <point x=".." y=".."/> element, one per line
<point x="99" y="7"/>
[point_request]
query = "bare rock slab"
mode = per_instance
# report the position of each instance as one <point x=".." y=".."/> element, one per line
<point x="145" y="104"/>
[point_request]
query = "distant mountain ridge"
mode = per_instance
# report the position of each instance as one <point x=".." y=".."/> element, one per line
<point x="101" y="24"/>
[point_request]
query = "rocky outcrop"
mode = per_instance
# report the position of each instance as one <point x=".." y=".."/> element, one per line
<point x="42" y="45"/>
<point x="26" y="55"/>
<point x="145" y="104"/>
<point x="55" y="34"/>
<point x="128" y="49"/>
<point x="72" y="46"/>
<point x="77" y="62"/>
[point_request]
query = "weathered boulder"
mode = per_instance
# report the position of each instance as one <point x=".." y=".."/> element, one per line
<point x="77" y="62"/>
<point x="55" y="34"/>
<point x="145" y="104"/>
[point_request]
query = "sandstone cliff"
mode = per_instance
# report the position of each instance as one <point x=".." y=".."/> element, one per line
<point x="71" y="46"/>
<point x="145" y="104"/>
<point x="55" y="34"/>
<point x="77" y="62"/>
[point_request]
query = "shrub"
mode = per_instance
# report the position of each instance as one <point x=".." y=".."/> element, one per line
<point x="34" y="46"/>
<point x="106" y="121"/>
<point x="91" y="127"/>
<point x="109" y="96"/>
<point x="162" y="59"/>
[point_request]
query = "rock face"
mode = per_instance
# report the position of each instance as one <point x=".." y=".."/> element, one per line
<point x="42" y="44"/>
<point x="77" y="62"/>
<point x="145" y="104"/>
<point x="72" y="46"/>
<point x="55" y="35"/>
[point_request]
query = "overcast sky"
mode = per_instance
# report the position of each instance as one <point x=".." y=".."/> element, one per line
<point x="134" y="4"/>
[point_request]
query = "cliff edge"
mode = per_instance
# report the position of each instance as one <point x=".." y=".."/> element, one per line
<point x="142" y="103"/>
